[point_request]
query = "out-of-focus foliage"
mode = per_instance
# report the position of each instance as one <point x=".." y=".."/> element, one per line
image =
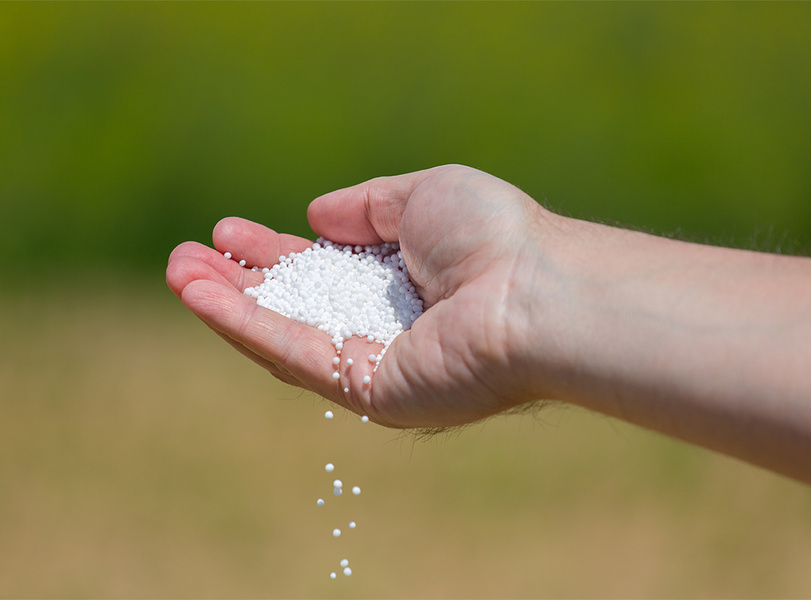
<point x="127" y="128"/>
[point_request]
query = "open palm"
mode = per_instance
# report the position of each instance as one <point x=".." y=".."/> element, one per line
<point x="467" y="239"/>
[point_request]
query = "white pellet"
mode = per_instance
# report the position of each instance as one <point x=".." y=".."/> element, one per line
<point x="344" y="563"/>
<point x="243" y="262"/>
<point x="336" y="361"/>
<point x="333" y="575"/>
<point x="227" y="255"/>
<point x="372" y="357"/>
<point x="364" y="419"/>
<point x="328" y="414"/>
<point x="336" y="375"/>
<point x="336" y="532"/>
<point x="337" y="491"/>
<point x="329" y="467"/>
<point x="347" y="571"/>
<point x="367" y="379"/>
<point x="320" y="502"/>
<point x="346" y="390"/>
<point x="343" y="290"/>
<point x="352" y="524"/>
<point x="356" y="490"/>
<point x="349" y="362"/>
<point x="338" y="483"/>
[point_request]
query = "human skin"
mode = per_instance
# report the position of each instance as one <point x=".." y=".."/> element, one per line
<point x="709" y="345"/>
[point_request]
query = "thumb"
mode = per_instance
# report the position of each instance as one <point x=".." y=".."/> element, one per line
<point x="367" y="213"/>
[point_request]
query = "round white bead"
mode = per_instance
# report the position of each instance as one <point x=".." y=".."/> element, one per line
<point x="336" y="375"/>
<point x="329" y="467"/>
<point x="337" y="483"/>
<point x="367" y="379"/>
<point x="336" y="532"/>
<point x="356" y="490"/>
<point x="344" y="291"/>
<point x="344" y="563"/>
<point x="328" y="414"/>
<point x="352" y="524"/>
<point x="320" y="502"/>
<point x="347" y="571"/>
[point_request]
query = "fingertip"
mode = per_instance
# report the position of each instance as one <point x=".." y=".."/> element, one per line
<point x="258" y="245"/>
<point x="185" y="268"/>
<point x="184" y="249"/>
<point x="227" y="230"/>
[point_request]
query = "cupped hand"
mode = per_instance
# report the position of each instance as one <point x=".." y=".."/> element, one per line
<point x="469" y="241"/>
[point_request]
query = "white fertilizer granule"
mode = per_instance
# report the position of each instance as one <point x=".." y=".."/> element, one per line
<point x="344" y="290"/>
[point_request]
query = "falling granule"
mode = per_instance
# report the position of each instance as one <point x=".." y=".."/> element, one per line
<point x="344" y="291"/>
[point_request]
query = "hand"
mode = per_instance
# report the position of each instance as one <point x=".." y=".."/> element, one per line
<point x="709" y="345"/>
<point x="471" y="244"/>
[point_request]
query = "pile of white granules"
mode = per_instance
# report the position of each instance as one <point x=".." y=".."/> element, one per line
<point x="345" y="291"/>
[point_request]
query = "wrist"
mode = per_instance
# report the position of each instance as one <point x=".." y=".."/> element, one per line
<point x="569" y="325"/>
<point x="539" y="311"/>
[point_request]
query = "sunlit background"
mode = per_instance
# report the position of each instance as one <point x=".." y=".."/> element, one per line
<point x="141" y="457"/>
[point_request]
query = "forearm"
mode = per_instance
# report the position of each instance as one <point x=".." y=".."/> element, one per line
<point x="709" y="345"/>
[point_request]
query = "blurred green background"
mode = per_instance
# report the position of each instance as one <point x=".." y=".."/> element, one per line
<point x="140" y="458"/>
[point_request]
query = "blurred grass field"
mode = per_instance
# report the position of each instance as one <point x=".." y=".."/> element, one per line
<point x="141" y="457"/>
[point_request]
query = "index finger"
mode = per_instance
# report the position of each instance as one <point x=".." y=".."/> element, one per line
<point x="258" y="245"/>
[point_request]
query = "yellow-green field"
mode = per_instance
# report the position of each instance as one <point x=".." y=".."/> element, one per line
<point x="141" y="457"/>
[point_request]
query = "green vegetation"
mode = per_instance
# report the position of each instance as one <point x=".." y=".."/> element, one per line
<point x="126" y="128"/>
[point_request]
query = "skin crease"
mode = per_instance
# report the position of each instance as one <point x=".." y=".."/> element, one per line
<point x="705" y="344"/>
